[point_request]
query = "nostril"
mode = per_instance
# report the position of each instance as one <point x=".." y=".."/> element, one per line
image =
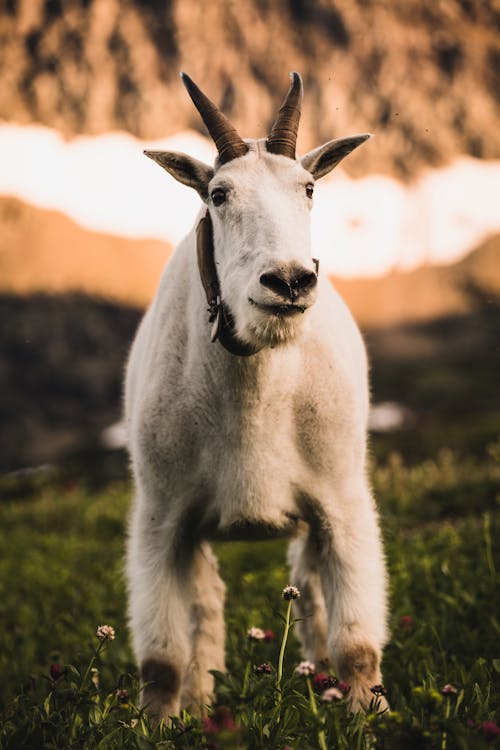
<point x="304" y="282"/>
<point x="276" y="283"/>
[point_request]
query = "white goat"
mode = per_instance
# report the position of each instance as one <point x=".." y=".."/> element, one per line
<point x="260" y="432"/>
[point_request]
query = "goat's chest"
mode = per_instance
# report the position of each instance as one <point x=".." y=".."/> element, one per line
<point x="268" y="438"/>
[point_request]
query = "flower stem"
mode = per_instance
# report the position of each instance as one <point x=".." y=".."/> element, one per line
<point x="245" y="679"/>
<point x="81" y="686"/>
<point x="279" y="674"/>
<point x="314" y="709"/>
<point x="283" y="645"/>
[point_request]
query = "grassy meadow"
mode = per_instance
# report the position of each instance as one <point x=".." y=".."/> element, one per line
<point x="437" y="483"/>
<point x="61" y="573"/>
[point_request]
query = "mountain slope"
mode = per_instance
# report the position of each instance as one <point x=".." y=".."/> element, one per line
<point x="427" y="292"/>
<point x="46" y="251"/>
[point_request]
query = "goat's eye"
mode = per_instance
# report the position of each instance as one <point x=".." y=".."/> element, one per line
<point x="218" y="196"/>
<point x="309" y="189"/>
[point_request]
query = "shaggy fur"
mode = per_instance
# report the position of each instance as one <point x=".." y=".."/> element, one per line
<point x="227" y="447"/>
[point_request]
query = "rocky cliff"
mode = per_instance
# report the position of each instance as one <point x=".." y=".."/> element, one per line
<point x="422" y="74"/>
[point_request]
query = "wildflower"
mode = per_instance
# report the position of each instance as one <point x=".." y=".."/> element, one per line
<point x="221" y="719"/>
<point x="344" y="687"/>
<point x="122" y="697"/>
<point x="290" y="592"/>
<point x="323" y="681"/>
<point x="406" y="621"/>
<point x="305" y="668"/>
<point x="255" y="634"/>
<point x="378" y="690"/>
<point x="331" y="695"/>
<point x="105" y="633"/>
<point x="449" y="690"/>
<point x="55" y="670"/>
<point x="263" y="669"/>
<point x="268" y="636"/>
<point x="490" y="729"/>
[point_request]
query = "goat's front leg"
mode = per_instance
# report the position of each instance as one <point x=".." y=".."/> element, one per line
<point x="160" y="598"/>
<point x="207" y="624"/>
<point x="352" y="572"/>
<point x="310" y="607"/>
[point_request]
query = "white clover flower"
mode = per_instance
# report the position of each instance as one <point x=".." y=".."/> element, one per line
<point x="305" y="668"/>
<point x="332" y="694"/>
<point x="291" y="592"/>
<point x="105" y="633"/>
<point x="256" y="634"/>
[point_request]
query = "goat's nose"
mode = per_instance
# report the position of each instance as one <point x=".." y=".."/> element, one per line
<point x="290" y="285"/>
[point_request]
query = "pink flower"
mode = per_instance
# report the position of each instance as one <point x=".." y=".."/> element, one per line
<point x="291" y="592"/>
<point x="105" y="633"/>
<point x="55" y="671"/>
<point x="331" y="695"/>
<point x="305" y="668"/>
<point x="344" y="687"/>
<point x="490" y="729"/>
<point x="268" y="636"/>
<point x="221" y="719"/>
<point x="256" y="634"/>
<point x="406" y="621"/>
<point x="322" y="681"/>
<point x="449" y="690"/>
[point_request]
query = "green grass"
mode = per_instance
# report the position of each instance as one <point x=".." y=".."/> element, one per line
<point x="61" y="575"/>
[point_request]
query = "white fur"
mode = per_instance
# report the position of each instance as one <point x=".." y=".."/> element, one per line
<point x="219" y="441"/>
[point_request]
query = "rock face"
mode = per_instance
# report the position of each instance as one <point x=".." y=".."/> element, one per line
<point x="424" y="76"/>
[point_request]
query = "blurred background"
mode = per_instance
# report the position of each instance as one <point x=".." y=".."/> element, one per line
<point x="408" y="227"/>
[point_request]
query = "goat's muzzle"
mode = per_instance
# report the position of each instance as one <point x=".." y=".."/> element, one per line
<point x="289" y="285"/>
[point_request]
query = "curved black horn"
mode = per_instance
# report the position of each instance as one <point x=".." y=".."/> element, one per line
<point x="283" y="136"/>
<point x="228" y="142"/>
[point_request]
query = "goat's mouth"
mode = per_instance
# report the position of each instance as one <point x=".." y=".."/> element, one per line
<point x="279" y="311"/>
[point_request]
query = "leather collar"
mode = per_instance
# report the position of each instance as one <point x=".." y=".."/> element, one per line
<point x="220" y="317"/>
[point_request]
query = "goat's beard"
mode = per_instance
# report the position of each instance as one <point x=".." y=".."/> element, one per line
<point x="268" y="330"/>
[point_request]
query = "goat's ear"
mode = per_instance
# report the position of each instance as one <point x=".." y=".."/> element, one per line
<point x="185" y="169"/>
<point x="323" y="159"/>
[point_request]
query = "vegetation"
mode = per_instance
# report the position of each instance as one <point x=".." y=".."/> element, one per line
<point x="62" y="534"/>
<point x="61" y="577"/>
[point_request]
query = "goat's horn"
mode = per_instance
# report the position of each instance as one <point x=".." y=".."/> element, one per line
<point x="228" y="142"/>
<point x="283" y="136"/>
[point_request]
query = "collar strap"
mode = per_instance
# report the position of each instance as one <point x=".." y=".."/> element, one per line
<point x="220" y="317"/>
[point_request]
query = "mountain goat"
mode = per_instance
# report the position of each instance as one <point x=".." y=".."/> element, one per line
<point x="253" y="427"/>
